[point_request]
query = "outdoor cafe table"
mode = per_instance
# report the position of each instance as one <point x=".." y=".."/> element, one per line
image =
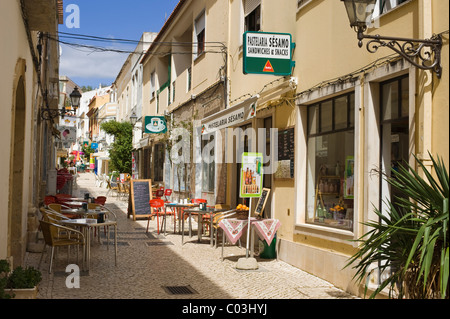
<point x="86" y="224"/>
<point x="80" y="211"/>
<point x="178" y="208"/>
<point x="209" y="210"/>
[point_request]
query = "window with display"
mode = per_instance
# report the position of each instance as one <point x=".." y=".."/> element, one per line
<point x="208" y="163"/>
<point x="330" y="167"/>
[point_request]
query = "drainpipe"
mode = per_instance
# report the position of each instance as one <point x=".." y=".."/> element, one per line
<point x="425" y="82"/>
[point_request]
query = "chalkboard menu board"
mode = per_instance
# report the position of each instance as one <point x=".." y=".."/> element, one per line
<point x="286" y="142"/>
<point x="141" y="193"/>
<point x="262" y="201"/>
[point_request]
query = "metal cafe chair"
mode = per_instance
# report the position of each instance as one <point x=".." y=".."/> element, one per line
<point x="51" y="238"/>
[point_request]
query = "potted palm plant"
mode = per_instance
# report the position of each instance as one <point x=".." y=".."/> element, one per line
<point x="21" y="283"/>
<point x="409" y="243"/>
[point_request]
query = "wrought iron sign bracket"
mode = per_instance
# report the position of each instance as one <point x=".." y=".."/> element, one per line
<point x="428" y="51"/>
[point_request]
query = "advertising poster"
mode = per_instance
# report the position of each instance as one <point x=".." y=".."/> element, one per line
<point x="251" y="175"/>
<point x="349" y="177"/>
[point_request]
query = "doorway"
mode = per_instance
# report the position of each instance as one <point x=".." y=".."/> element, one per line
<point x="16" y="237"/>
<point x="395" y="137"/>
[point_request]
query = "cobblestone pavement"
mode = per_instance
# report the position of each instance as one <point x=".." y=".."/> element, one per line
<point x="149" y="262"/>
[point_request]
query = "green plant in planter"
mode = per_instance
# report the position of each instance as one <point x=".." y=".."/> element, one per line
<point x="411" y="237"/>
<point x="4" y="271"/>
<point x="19" y="278"/>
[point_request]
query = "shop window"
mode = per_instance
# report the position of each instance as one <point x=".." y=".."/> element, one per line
<point x="208" y="163"/>
<point x="159" y="162"/>
<point x="330" y="164"/>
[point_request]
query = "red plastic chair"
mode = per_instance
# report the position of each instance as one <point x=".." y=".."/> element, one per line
<point x="100" y="200"/>
<point x="156" y="206"/>
<point x="159" y="193"/>
<point x="198" y="200"/>
<point x="167" y="193"/>
<point x="49" y="199"/>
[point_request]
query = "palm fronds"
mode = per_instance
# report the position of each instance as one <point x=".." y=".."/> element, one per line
<point x="411" y="238"/>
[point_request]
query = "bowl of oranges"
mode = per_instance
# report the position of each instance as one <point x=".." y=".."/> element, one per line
<point x="242" y="211"/>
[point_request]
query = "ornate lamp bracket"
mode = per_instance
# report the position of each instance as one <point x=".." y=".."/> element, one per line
<point x="49" y="114"/>
<point x="427" y="51"/>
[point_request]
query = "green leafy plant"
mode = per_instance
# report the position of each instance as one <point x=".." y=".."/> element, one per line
<point x="19" y="278"/>
<point x="120" y="152"/>
<point x="410" y="240"/>
<point x="170" y="139"/>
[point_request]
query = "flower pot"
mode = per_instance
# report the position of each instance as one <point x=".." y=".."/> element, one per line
<point x="29" y="293"/>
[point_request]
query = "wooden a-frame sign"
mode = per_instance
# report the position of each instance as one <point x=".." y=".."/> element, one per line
<point x="140" y="196"/>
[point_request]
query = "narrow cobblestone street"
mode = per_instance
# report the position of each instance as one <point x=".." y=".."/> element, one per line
<point x="149" y="262"/>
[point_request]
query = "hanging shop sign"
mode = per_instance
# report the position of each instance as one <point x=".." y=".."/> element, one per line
<point x="68" y="121"/>
<point x="230" y="117"/>
<point x="68" y="134"/>
<point x="268" y="53"/>
<point x="155" y="124"/>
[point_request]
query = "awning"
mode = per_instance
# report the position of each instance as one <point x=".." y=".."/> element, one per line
<point x="232" y="116"/>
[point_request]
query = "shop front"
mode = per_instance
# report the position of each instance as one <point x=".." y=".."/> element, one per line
<point x="347" y="134"/>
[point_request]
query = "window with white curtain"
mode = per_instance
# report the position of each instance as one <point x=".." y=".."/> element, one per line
<point x="252" y="15"/>
<point x="200" y="33"/>
<point x="384" y="6"/>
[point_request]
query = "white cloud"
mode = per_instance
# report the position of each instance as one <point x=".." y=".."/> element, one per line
<point x="84" y="63"/>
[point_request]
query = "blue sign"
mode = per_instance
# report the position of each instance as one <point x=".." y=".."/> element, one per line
<point x="94" y="146"/>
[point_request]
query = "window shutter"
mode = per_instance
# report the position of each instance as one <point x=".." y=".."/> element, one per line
<point x="250" y="5"/>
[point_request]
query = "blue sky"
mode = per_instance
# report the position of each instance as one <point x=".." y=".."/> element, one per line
<point x="115" y="19"/>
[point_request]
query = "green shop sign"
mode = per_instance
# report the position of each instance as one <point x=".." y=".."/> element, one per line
<point x="155" y="124"/>
<point x="268" y="53"/>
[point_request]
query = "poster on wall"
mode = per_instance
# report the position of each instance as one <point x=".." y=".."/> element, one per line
<point x="251" y="175"/>
<point x="349" y="177"/>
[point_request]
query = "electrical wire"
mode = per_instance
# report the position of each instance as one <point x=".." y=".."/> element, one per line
<point x="119" y="40"/>
<point x="209" y="46"/>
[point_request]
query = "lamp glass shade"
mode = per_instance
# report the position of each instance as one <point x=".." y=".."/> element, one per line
<point x="75" y="97"/>
<point x="359" y="11"/>
<point x="133" y="118"/>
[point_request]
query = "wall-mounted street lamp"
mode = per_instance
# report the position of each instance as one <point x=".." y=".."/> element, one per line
<point x="428" y="51"/>
<point x="133" y="119"/>
<point x="49" y="114"/>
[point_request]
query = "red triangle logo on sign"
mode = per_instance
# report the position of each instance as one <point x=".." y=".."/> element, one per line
<point x="268" y="67"/>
